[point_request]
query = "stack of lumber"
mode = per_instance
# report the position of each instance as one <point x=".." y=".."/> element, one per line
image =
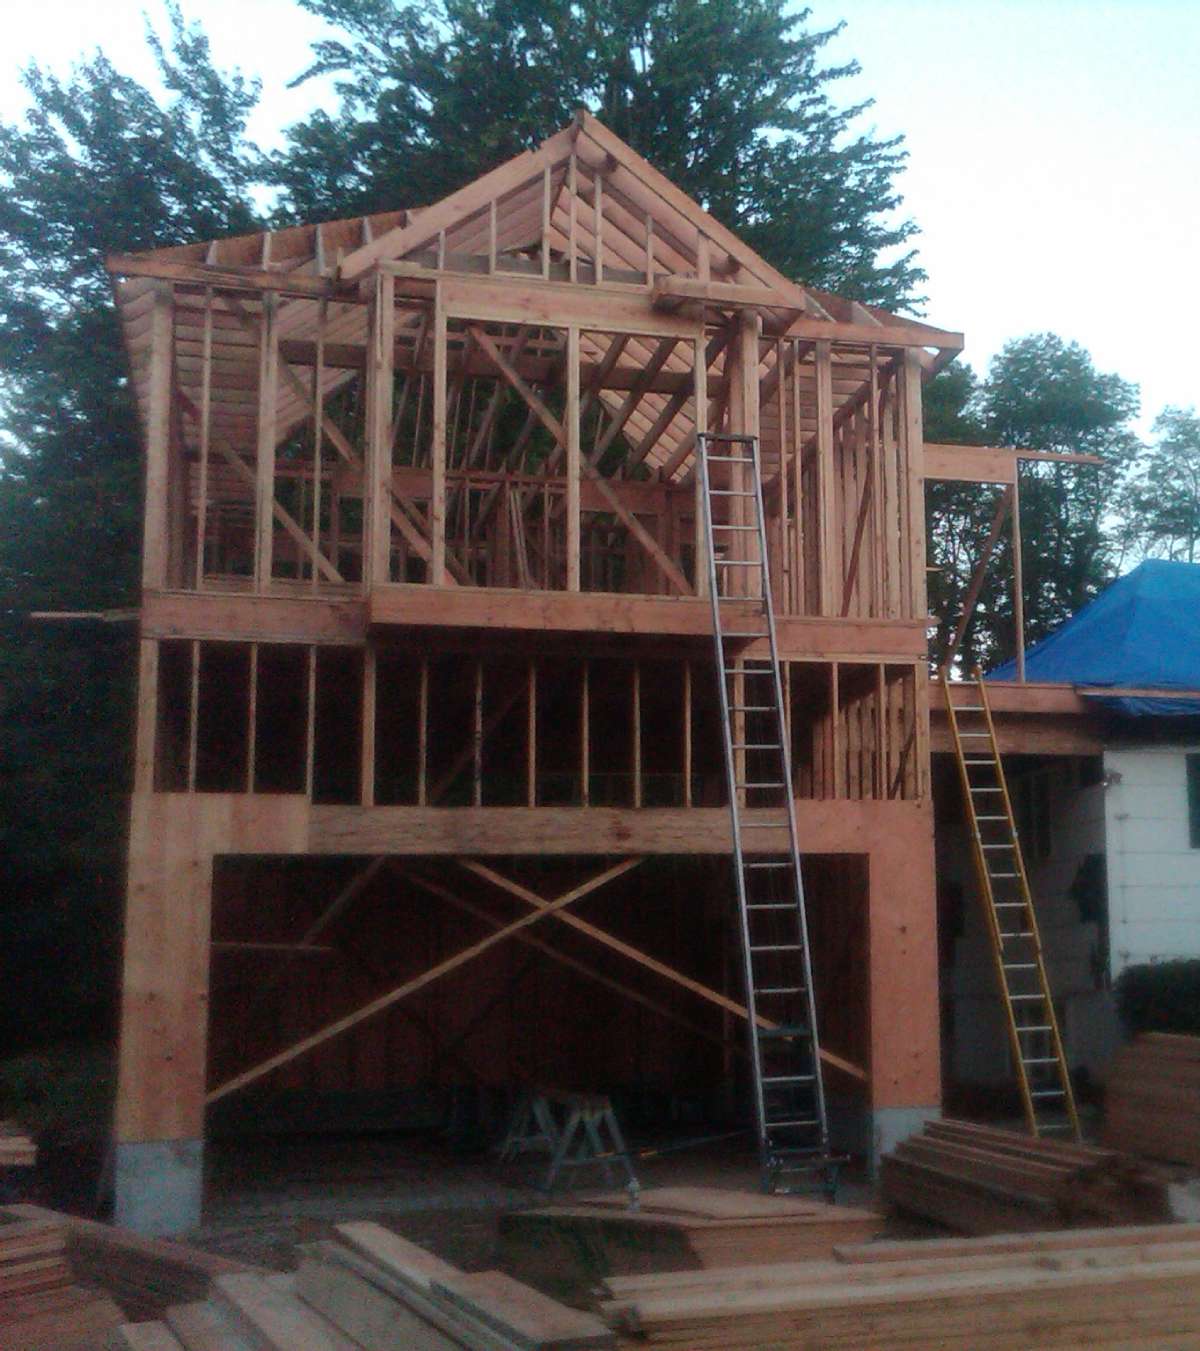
<point x="17" y="1150"/>
<point x="370" y="1290"/>
<point x="40" y="1305"/>
<point x="984" y="1180"/>
<point x="1152" y="1098"/>
<point x="143" y="1275"/>
<point x="673" y="1229"/>
<point x="1133" y="1288"/>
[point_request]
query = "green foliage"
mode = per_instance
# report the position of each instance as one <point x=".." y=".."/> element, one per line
<point x="1040" y="393"/>
<point x="1160" y="997"/>
<point x="730" y="100"/>
<point x="98" y="166"/>
<point x="1160" y="501"/>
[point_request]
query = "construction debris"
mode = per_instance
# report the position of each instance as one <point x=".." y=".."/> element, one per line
<point x="674" y="1228"/>
<point x="984" y="1180"/>
<point x="370" y="1289"/>
<point x="40" y="1304"/>
<point x="1132" y="1288"/>
<point x="1152" y="1098"/>
<point x="17" y="1150"/>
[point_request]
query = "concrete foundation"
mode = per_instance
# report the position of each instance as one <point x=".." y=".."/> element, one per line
<point x="159" y="1185"/>
<point x="892" y="1125"/>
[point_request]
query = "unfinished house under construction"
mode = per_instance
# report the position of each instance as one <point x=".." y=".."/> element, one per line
<point x="434" y="758"/>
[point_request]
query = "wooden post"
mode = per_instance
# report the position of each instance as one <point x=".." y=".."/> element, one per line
<point x="205" y="425"/>
<point x="826" y="560"/>
<point x="367" y="774"/>
<point x="913" y="441"/>
<point x="158" y="437"/>
<point x="377" y="486"/>
<point x="700" y="388"/>
<point x="268" y="391"/>
<point x="252" y="719"/>
<point x="573" y="459"/>
<point x="585" y="736"/>
<point x="636" y="717"/>
<point x="146" y="735"/>
<point x="437" y="504"/>
<point x="423" y="735"/>
<point x="1018" y="576"/>
<point x="531" y="737"/>
<point x="687" y="733"/>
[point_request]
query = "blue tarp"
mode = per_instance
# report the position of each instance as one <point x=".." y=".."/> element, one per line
<point x="1141" y="632"/>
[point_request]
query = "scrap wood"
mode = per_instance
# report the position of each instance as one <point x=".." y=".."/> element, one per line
<point x="368" y="1287"/>
<point x="17" y="1149"/>
<point x="981" y="1179"/>
<point x="1152" y="1098"/>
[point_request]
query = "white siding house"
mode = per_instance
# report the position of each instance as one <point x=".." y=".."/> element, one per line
<point x="1153" y="855"/>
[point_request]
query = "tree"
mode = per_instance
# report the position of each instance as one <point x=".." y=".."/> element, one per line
<point x="1159" y="504"/>
<point x="1041" y="393"/>
<point x="729" y="99"/>
<point x="98" y="166"/>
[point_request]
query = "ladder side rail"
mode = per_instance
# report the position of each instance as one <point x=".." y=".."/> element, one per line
<point x="987" y="897"/>
<point x="1031" y="916"/>
<point x="784" y="731"/>
<point x="760" y="1109"/>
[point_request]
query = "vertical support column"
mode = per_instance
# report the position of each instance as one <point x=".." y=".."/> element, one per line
<point x="146" y="731"/>
<point x="164" y="1015"/>
<point x="912" y="433"/>
<point x="904" y="1018"/>
<point x="573" y="458"/>
<point x="1018" y="576"/>
<point x="367" y="770"/>
<point x="826" y="558"/>
<point x="268" y="390"/>
<point x="158" y="437"/>
<point x="437" y="503"/>
<point x="378" y="487"/>
<point x="700" y="386"/>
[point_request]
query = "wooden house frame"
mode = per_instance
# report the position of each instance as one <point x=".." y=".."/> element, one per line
<point x="423" y="612"/>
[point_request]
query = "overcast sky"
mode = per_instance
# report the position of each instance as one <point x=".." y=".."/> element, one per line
<point x="1054" y="150"/>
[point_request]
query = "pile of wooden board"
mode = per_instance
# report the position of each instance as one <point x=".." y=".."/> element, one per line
<point x="577" y="1242"/>
<point x="40" y="1304"/>
<point x="369" y="1290"/>
<point x="1133" y="1288"/>
<point x="17" y="1150"/>
<point x="143" y="1275"/>
<point x="984" y="1180"/>
<point x="1152" y="1098"/>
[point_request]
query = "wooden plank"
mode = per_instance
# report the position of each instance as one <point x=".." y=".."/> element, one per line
<point x="268" y="397"/>
<point x="437" y="504"/>
<point x="376" y="1320"/>
<point x="523" y="1314"/>
<point x="572" y="414"/>
<point x="157" y="428"/>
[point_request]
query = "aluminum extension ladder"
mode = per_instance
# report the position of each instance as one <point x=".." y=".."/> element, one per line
<point x="1034" y="1040"/>
<point x="789" y="1097"/>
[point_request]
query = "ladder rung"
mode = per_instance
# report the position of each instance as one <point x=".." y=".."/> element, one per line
<point x="1040" y="1060"/>
<point x="998" y="846"/>
<point x="756" y="745"/>
<point x="978" y="761"/>
<point x="768" y="783"/>
<point x="1008" y="905"/>
<point x="792" y="1124"/>
<point x="968" y="708"/>
<point x="1020" y="966"/>
<point x="780" y="989"/>
<point x="764" y="825"/>
<point x="974" y="734"/>
<point x="795" y="1030"/>
<point x="730" y="459"/>
<point x="991" y="818"/>
<point x="771" y="905"/>
<point x="1018" y="933"/>
<point x="776" y="947"/>
<point x="1037" y="1027"/>
<point x="1013" y="998"/>
<point x="999" y="877"/>
<point x="782" y="863"/>
<point x="752" y="708"/>
<point x="724" y="525"/>
<point x="788" y="1079"/>
<point x="728" y="492"/>
<point x="1049" y="1093"/>
<point x="739" y="563"/>
<point x="744" y="633"/>
<point x="985" y="788"/>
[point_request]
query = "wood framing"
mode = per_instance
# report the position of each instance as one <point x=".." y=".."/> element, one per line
<point x="425" y="581"/>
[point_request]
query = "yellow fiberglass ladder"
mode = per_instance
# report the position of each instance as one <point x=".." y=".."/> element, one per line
<point x="1034" y="1039"/>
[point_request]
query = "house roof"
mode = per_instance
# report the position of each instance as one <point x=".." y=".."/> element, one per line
<point x="1140" y="633"/>
<point x="583" y="199"/>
